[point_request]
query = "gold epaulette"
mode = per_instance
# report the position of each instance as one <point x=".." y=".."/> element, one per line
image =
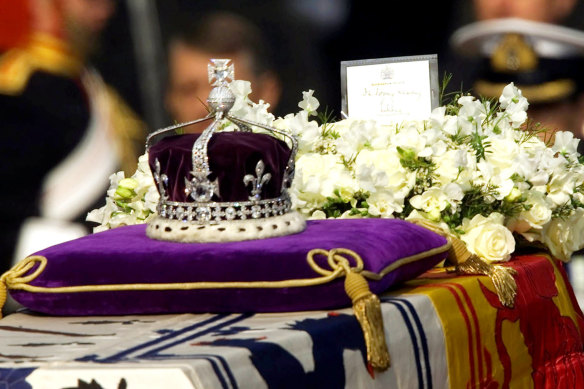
<point x="41" y="53"/>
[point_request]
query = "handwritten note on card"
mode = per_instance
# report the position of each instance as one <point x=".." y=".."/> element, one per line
<point x="390" y="89"/>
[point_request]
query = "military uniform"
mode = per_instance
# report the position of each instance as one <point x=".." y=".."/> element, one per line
<point x="63" y="131"/>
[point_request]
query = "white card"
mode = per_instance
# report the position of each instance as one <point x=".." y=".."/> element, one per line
<point x="390" y="90"/>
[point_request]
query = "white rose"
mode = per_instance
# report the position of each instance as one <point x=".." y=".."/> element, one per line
<point x="488" y="238"/>
<point x="557" y="237"/>
<point x="577" y="219"/>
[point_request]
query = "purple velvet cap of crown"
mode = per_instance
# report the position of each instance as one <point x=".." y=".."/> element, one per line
<point x="232" y="155"/>
<point x="126" y="256"/>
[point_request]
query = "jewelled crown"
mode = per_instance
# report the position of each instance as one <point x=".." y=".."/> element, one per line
<point x="223" y="186"/>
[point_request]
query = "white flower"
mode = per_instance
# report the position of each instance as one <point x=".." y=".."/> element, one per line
<point x="354" y="136"/>
<point x="488" y="238"/>
<point x="565" y="142"/>
<point x="306" y="131"/>
<point x="502" y="154"/>
<point x="454" y="165"/>
<point x="512" y="95"/>
<point x="382" y="170"/>
<point x="432" y="201"/>
<point x="560" y="187"/>
<point x="538" y="215"/>
<point x="443" y="122"/>
<point x="318" y="176"/>
<point x="383" y="204"/>
<point x="563" y="236"/>
<point x="515" y="105"/>
<point x="309" y="103"/>
<point x="318" y="215"/>
<point x="356" y="168"/>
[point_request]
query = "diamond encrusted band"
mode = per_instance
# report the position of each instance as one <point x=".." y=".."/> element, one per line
<point x="209" y="212"/>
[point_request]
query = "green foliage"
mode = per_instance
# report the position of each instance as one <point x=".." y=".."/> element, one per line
<point x="348" y="163"/>
<point x="480" y="200"/>
<point x="479" y="145"/>
<point x="336" y="206"/>
<point x="533" y="130"/>
<point x="424" y="168"/>
<point x="327" y="121"/>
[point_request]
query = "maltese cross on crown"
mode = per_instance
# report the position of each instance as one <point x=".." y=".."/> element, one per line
<point x="221" y="71"/>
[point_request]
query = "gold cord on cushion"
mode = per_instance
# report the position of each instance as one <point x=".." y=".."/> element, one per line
<point x="16" y="276"/>
<point x="466" y="262"/>
<point x="13" y="278"/>
<point x="366" y="305"/>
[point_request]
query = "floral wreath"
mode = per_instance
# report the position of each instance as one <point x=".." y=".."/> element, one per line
<point x="476" y="168"/>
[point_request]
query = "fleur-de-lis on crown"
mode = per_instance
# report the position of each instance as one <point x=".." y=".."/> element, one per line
<point x="258" y="181"/>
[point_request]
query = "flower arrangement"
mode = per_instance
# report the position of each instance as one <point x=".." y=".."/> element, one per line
<point x="472" y="168"/>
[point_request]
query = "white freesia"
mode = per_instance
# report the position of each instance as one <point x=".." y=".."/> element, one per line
<point x="471" y="168"/>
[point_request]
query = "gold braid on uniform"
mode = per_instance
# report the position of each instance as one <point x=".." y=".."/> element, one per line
<point x="41" y="53"/>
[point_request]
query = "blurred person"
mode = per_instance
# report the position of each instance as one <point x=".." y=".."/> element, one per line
<point x="65" y="131"/>
<point x="523" y="42"/>
<point x="546" y="11"/>
<point x="218" y="35"/>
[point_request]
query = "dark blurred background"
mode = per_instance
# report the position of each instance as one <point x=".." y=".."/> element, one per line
<point x="309" y="39"/>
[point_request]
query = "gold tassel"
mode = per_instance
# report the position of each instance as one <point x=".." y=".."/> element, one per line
<point x="466" y="262"/>
<point x="367" y="310"/>
<point x="502" y="277"/>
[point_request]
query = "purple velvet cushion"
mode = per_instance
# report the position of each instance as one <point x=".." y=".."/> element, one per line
<point x="126" y="256"/>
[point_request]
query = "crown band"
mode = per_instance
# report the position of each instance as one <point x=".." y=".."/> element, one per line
<point x="209" y="212"/>
<point x="256" y="203"/>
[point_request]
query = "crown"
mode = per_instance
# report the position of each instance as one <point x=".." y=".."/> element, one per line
<point x="223" y="185"/>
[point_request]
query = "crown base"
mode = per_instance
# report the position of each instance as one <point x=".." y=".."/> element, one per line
<point x="235" y="230"/>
